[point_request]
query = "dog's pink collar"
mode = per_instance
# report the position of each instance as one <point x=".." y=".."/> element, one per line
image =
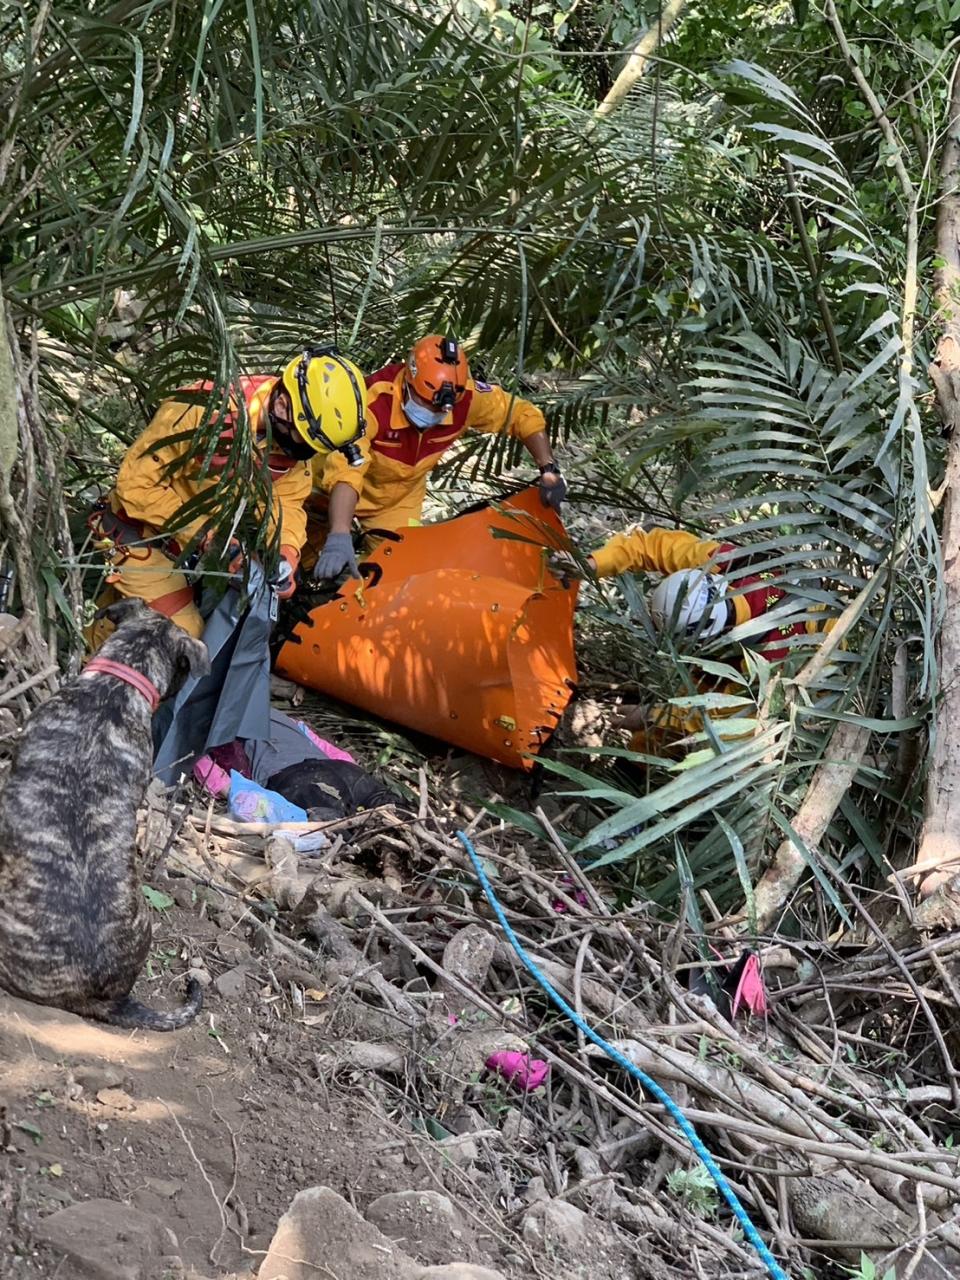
<point x="133" y="678"/>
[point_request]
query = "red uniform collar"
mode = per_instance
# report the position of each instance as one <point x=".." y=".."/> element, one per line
<point x="136" y="679"/>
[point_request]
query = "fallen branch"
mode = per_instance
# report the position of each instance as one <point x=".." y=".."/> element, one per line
<point x="330" y="933"/>
<point x="608" y="1093"/>
<point x="39" y="677"/>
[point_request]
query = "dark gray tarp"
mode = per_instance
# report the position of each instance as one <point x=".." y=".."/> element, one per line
<point x="283" y="744"/>
<point x="233" y="701"/>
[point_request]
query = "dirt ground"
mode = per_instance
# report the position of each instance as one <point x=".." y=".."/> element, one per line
<point x="211" y="1131"/>
<point x="171" y="1122"/>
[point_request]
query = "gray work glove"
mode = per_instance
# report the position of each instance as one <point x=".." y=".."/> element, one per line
<point x="552" y="494"/>
<point x="563" y="565"/>
<point x="337" y="554"/>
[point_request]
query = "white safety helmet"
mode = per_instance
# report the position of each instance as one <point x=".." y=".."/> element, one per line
<point x="690" y="602"/>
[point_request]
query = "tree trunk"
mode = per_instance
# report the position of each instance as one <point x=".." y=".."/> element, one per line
<point x="636" y="64"/>
<point x="829" y="785"/>
<point x="8" y="401"/>
<point x="940" y="841"/>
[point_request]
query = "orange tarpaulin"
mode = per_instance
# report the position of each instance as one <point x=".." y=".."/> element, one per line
<point x="457" y="633"/>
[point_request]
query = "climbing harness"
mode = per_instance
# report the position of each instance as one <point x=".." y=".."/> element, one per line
<point x="119" y="537"/>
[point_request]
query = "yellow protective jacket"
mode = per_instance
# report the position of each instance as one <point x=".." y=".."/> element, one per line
<point x="397" y="458"/>
<point x="145" y="494"/>
<point x="653" y="551"/>
<point x="754" y="594"/>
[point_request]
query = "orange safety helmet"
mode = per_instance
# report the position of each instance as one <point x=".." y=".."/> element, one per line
<point x="437" y="371"/>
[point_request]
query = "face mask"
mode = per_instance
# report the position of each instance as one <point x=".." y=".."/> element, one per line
<point x="289" y="441"/>
<point x="419" y="416"/>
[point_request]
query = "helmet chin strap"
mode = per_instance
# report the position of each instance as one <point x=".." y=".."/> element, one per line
<point x="287" y="440"/>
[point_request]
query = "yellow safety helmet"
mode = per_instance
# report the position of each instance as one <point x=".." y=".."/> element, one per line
<point x="328" y="396"/>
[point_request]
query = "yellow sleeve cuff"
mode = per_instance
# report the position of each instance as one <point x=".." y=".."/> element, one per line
<point x="607" y="560"/>
<point x="334" y="469"/>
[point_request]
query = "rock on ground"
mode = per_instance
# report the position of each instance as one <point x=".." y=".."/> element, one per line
<point x="106" y="1240"/>
<point x="321" y="1226"/>
<point x="233" y="983"/>
<point x="468" y="955"/>
<point x="557" y="1224"/>
<point x="588" y="1246"/>
<point x="425" y="1223"/>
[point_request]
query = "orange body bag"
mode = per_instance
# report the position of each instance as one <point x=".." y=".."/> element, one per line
<point x="458" y="634"/>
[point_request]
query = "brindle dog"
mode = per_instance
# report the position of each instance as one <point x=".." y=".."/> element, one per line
<point x="74" y="927"/>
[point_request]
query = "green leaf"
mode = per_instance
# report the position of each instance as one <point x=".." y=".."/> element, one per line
<point x="813" y="862"/>
<point x="156" y="898"/>
<point x="30" y="1129"/>
<point x="721" y="669"/>
<point x="712" y="701"/>
<point x="743" y="872"/>
<point x="868" y="722"/>
<point x="435" y="1129"/>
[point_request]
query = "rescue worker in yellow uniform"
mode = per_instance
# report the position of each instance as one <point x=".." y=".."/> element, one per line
<point x="415" y="412"/>
<point x="315" y="408"/>
<point x="708" y="588"/>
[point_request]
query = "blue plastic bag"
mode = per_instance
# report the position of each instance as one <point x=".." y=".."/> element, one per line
<point x="249" y="802"/>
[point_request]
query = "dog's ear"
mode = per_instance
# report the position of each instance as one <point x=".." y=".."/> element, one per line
<point x="192" y="654"/>
<point x="122" y="611"/>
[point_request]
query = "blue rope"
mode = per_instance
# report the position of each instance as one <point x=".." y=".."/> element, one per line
<point x="686" y="1128"/>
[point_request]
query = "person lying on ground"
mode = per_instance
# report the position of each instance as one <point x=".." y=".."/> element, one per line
<point x="416" y="412"/>
<point x="314" y="408"/>
<point x="708" y="589"/>
<point x="296" y="764"/>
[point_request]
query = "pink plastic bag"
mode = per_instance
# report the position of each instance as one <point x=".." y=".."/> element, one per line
<point x="519" y="1068"/>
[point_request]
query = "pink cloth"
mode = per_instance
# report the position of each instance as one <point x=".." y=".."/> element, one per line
<point x="328" y="749"/>
<point x="231" y="755"/>
<point x="211" y="776"/>
<point x="750" y="991"/>
<point x="519" y="1068"/>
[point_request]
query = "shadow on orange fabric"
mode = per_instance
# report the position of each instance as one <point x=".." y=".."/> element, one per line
<point x="455" y="633"/>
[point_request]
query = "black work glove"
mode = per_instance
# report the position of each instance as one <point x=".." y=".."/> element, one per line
<point x="552" y="495"/>
<point x="337" y="554"/>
